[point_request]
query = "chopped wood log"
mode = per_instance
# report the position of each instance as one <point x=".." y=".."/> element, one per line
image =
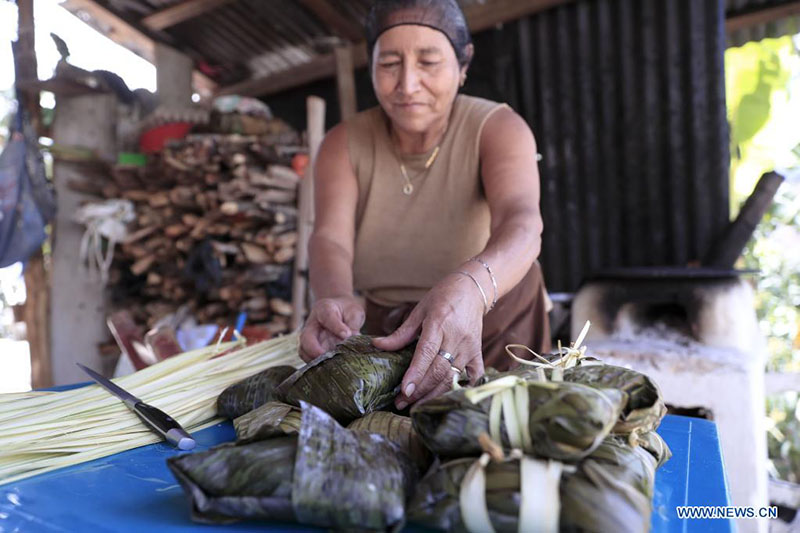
<point x="159" y="199"/>
<point x="282" y="255"/>
<point x="136" y="195"/>
<point x="254" y="253"/>
<point x="175" y="230"/>
<point x="259" y="303"/>
<point x="280" y="307"/>
<point x="142" y="265"/>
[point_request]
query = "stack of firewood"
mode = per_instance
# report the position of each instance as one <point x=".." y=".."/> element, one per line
<point x="215" y="229"/>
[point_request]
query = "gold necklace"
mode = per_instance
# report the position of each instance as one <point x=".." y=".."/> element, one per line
<point x="408" y="188"/>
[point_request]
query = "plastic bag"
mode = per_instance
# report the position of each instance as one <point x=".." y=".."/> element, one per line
<point x="27" y="202"/>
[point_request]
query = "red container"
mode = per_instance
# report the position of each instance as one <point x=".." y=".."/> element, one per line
<point x="153" y="140"/>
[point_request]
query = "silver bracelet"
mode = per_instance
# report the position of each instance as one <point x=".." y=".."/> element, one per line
<point x="483" y="294"/>
<point x="491" y="275"/>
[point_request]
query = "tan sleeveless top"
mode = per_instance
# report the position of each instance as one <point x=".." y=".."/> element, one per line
<point x="406" y="244"/>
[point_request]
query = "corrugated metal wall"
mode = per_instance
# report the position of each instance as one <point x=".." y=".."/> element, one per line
<point x="627" y="99"/>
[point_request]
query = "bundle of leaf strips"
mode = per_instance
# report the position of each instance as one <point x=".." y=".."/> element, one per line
<point x="44" y="431"/>
<point x="326" y="476"/>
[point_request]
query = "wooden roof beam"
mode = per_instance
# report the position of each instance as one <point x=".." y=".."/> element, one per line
<point x="124" y="34"/>
<point x="175" y="14"/>
<point x="333" y="19"/>
<point x="761" y="16"/>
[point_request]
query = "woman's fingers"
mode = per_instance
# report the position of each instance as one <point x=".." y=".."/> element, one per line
<point x="354" y="318"/>
<point x="310" y="346"/>
<point x="403" y="335"/>
<point x="441" y="388"/>
<point x="330" y="318"/>
<point x="438" y="379"/>
<point x="424" y="355"/>
<point x="475" y="369"/>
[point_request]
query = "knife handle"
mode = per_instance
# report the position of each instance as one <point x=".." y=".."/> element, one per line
<point x="164" y="425"/>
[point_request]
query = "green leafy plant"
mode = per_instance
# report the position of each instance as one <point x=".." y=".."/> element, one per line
<point x="762" y="110"/>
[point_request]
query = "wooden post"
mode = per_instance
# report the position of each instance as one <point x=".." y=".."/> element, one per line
<point x="345" y="81"/>
<point x="315" y="109"/>
<point x="37" y="280"/>
<point x="173" y="77"/>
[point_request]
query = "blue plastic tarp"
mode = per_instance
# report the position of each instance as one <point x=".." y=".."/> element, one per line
<point x="134" y="491"/>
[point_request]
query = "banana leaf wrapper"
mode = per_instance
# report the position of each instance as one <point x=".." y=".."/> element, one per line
<point x="252" y="392"/>
<point x="349" y="479"/>
<point x="272" y="419"/>
<point x="398" y="429"/>
<point x="350" y="381"/>
<point x="326" y="476"/>
<point x="609" y="492"/>
<point x="645" y="406"/>
<point x="232" y="482"/>
<point x="566" y="421"/>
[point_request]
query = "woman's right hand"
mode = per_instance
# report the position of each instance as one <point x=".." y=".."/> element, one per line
<point x="331" y="321"/>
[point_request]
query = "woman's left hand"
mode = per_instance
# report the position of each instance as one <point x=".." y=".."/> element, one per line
<point x="449" y="319"/>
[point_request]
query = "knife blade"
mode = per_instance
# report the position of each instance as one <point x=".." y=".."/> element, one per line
<point x="156" y="419"/>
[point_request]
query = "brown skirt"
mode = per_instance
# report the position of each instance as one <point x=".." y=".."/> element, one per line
<point x="520" y="317"/>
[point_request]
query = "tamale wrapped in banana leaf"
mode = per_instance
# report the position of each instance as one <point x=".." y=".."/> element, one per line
<point x="270" y="420"/>
<point x="252" y="392"/>
<point x="353" y="379"/>
<point x="609" y="492"/>
<point x="557" y="420"/>
<point x="398" y="429"/>
<point x="653" y="443"/>
<point x="232" y="482"/>
<point x="326" y="476"/>
<point x="645" y="406"/>
<point x="618" y="478"/>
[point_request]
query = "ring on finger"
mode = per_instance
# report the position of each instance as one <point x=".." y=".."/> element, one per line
<point x="447" y="356"/>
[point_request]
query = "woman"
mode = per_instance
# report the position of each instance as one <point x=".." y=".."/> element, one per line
<point x="429" y="206"/>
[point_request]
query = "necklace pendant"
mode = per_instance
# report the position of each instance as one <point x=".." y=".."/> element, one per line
<point x="408" y="188"/>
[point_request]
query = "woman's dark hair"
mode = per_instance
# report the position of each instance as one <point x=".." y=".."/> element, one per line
<point x="442" y="15"/>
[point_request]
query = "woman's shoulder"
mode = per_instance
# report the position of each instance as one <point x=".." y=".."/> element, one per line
<point x="475" y="106"/>
<point x="365" y="120"/>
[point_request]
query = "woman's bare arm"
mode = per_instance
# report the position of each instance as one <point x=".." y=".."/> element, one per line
<point x="335" y="314"/>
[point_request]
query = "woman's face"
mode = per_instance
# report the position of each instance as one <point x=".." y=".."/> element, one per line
<point x="416" y="76"/>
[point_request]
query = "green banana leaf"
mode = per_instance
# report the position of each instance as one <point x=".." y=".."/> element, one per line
<point x="645" y="407"/>
<point x="272" y="419"/>
<point x="350" y="381"/>
<point x="326" y="476"/>
<point x="232" y="482"/>
<point x="566" y="420"/>
<point x="252" y="392"/>
<point x="609" y="492"/>
<point x="399" y="430"/>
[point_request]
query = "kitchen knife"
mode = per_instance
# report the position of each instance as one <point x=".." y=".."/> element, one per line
<point x="154" y="418"/>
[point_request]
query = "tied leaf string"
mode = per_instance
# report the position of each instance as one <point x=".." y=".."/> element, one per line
<point x="472" y="498"/>
<point x="540" y="504"/>
<point x="568" y="357"/>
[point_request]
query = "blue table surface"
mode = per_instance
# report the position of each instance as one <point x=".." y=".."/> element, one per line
<point x="134" y="491"/>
